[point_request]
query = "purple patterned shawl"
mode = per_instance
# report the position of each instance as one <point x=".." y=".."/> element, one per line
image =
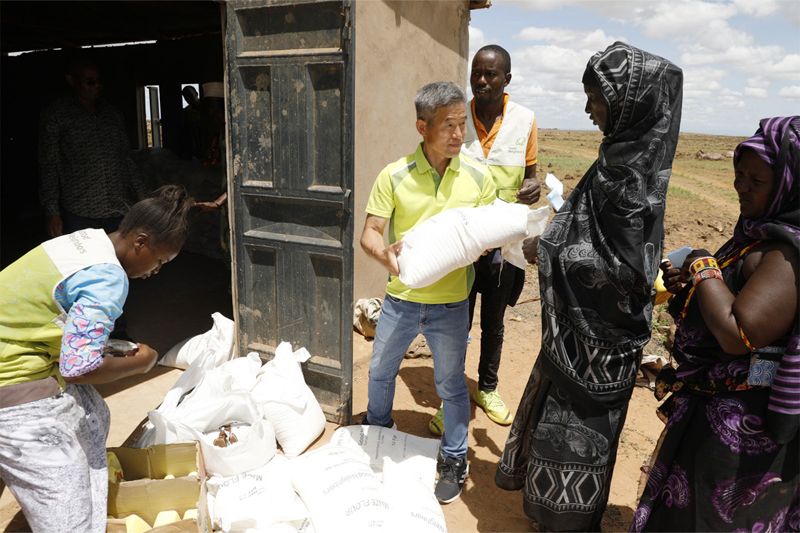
<point x="777" y="142"/>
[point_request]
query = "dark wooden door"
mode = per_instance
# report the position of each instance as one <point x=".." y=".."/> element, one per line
<point x="289" y="78"/>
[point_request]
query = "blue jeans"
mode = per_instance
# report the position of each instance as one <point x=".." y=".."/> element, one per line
<point x="445" y="327"/>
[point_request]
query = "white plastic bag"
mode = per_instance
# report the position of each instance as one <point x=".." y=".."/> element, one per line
<point x="262" y="499"/>
<point x="341" y="492"/>
<point x="456" y="238"/>
<point x="287" y="402"/>
<point x="376" y="444"/>
<point x="214" y="346"/>
<point x="219" y="349"/>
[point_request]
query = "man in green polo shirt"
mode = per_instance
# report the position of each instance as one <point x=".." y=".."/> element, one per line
<point x="434" y="178"/>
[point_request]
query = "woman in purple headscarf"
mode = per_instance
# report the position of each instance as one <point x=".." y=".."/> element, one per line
<point x="730" y="454"/>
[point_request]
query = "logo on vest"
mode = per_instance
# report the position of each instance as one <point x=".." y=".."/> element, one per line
<point x="73" y="238"/>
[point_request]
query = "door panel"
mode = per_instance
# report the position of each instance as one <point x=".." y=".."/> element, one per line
<point x="289" y="78"/>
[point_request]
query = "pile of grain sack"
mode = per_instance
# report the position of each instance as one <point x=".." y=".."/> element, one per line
<point x="254" y="424"/>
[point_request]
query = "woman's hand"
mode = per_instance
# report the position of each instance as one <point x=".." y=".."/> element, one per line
<point x="146" y="356"/>
<point x="139" y="361"/>
<point x="530" y="249"/>
<point x="673" y="278"/>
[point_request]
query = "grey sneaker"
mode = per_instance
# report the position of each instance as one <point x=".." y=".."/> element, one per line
<point x="452" y="474"/>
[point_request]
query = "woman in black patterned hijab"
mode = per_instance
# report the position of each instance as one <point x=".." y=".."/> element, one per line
<point x="598" y="260"/>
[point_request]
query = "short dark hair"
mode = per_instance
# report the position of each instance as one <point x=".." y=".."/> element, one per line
<point x="164" y="216"/>
<point x="499" y="50"/>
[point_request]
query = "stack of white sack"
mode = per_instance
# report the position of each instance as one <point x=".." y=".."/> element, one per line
<point x="370" y="478"/>
<point x="407" y="466"/>
<point x="374" y="444"/>
<point x="259" y="500"/>
<point x="259" y="402"/>
<point x="457" y="237"/>
<point x="367" y="478"/>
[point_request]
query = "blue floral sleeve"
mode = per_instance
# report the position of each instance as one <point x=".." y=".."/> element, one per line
<point x="93" y="299"/>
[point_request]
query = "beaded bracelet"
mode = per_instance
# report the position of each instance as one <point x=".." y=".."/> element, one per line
<point x="706" y="273"/>
<point x="702" y="263"/>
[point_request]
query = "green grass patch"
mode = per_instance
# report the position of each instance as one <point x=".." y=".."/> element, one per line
<point x="675" y="191"/>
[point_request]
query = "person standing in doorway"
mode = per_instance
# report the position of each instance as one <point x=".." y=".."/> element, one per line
<point x="502" y="135"/>
<point x="434" y="178"/>
<point x="87" y="177"/>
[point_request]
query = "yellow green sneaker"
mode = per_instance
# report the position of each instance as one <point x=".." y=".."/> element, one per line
<point x="436" y="425"/>
<point x="494" y="406"/>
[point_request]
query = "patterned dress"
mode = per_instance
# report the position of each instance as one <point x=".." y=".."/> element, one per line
<point x="729" y="458"/>
<point x="741" y="479"/>
<point x="598" y="260"/>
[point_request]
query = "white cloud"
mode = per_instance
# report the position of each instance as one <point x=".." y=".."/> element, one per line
<point x="687" y="19"/>
<point x="788" y="67"/>
<point x="758" y="82"/>
<point x="614" y="9"/>
<point x="701" y="82"/>
<point x="757" y="8"/>
<point x="733" y="74"/>
<point x="755" y="92"/>
<point x="594" y="40"/>
<point x="790" y="91"/>
<point x="790" y="12"/>
<point x="551" y="59"/>
<point x="476" y="40"/>
<point x="746" y="59"/>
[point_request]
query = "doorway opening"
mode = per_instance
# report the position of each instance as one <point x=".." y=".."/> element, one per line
<point x="147" y="53"/>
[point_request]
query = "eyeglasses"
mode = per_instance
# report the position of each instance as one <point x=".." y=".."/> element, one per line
<point x="226" y="437"/>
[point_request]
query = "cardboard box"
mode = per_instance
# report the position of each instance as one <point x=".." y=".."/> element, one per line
<point x="145" y="492"/>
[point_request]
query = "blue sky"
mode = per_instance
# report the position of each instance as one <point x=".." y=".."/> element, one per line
<point x="741" y="58"/>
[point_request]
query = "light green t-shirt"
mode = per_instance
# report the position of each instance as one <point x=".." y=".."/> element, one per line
<point x="410" y="191"/>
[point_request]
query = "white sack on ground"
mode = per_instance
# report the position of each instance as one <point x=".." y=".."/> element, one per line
<point x="413" y="503"/>
<point x="375" y="444"/>
<point x="254" y="448"/>
<point x="457" y="237"/>
<point x="197" y="385"/>
<point x="262" y="499"/>
<point x="341" y="491"/>
<point x="218" y="348"/>
<point x="215" y="344"/>
<point x="238" y="374"/>
<point x="286" y="401"/>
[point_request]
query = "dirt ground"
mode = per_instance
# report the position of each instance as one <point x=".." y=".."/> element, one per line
<point x="701" y="212"/>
